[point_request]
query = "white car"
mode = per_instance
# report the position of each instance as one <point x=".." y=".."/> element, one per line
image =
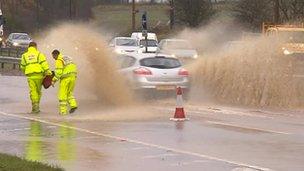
<point x="152" y="45"/>
<point x="153" y="72"/>
<point x="178" y="48"/>
<point x="124" y="45"/>
<point x="151" y="41"/>
<point x="18" y="40"/>
<point x="139" y="35"/>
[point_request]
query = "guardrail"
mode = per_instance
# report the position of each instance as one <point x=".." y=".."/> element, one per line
<point x="9" y="60"/>
<point x="10" y="56"/>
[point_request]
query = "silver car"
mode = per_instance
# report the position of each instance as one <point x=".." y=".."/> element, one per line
<point x="18" y="40"/>
<point x="178" y="48"/>
<point x="153" y="72"/>
<point x="124" y="45"/>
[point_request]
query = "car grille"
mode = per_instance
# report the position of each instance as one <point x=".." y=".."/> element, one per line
<point x="165" y="79"/>
<point x="23" y="44"/>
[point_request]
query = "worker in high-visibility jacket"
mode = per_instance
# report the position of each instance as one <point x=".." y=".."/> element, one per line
<point x="35" y="67"/>
<point x="66" y="73"/>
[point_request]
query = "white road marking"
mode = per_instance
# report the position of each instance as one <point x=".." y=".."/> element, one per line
<point x="252" y="128"/>
<point x="225" y="112"/>
<point x="140" y="142"/>
<point x="227" y="124"/>
<point x="188" y="163"/>
<point x="231" y="112"/>
<point x="139" y="148"/>
<point x="22" y="129"/>
<point x="158" y="155"/>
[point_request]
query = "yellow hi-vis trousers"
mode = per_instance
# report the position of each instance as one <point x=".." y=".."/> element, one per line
<point x="35" y="84"/>
<point x="65" y="94"/>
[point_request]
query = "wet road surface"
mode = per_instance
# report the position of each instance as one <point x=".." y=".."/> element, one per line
<point x="215" y="138"/>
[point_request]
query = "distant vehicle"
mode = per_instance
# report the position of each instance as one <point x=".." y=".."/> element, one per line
<point x="151" y="45"/>
<point x="153" y="72"/>
<point x="124" y="45"/>
<point x="178" y="48"/>
<point x="291" y="36"/>
<point x="139" y="35"/>
<point x="151" y="41"/>
<point x="18" y="40"/>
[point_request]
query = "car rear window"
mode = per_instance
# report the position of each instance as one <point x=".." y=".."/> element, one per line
<point x="150" y="43"/>
<point x="160" y="62"/>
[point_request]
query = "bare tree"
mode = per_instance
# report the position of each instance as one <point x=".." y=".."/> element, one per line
<point x="252" y="13"/>
<point x="193" y="12"/>
<point x="292" y="10"/>
<point x="25" y="15"/>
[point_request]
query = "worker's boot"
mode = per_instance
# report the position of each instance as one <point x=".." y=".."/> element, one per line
<point x="35" y="108"/>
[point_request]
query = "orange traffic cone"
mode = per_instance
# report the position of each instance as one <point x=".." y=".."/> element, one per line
<point x="179" y="110"/>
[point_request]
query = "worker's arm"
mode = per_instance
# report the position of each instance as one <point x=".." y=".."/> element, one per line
<point x="58" y="70"/>
<point x="22" y="64"/>
<point x="44" y="64"/>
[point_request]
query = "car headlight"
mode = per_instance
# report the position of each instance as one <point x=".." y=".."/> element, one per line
<point x="287" y="52"/>
<point x="15" y="44"/>
<point x="173" y="55"/>
<point x="119" y="51"/>
<point x="195" y="56"/>
<point x="1" y="39"/>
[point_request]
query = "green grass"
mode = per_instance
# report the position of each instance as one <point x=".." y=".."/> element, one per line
<point x="13" y="163"/>
<point x="117" y="18"/>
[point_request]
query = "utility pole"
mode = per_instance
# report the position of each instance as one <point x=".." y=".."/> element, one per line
<point x="37" y="13"/>
<point x="172" y="6"/>
<point x="70" y="10"/>
<point x="133" y="15"/>
<point x="276" y="10"/>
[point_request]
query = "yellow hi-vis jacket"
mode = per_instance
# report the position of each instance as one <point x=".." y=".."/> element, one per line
<point x="34" y="62"/>
<point x="64" y="67"/>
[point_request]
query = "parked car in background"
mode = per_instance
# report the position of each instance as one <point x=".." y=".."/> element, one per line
<point x="151" y="41"/>
<point x="178" y="48"/>
<point x="153" y="72"/>
<point x="124" y="45"/>
<point x="18" y="40"/>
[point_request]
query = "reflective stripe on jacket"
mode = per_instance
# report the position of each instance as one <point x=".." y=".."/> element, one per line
<point x="34" y="62"/>
<point x="64" y="67"/>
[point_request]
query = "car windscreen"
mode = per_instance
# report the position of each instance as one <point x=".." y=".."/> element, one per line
<point x="126" y="42"/>
<point x="160" y="62"/>
<point x="292" y="36"/>
<point x="150" y="43"/>
<point x="178" y="45"/>
<point x="21" y="37"/>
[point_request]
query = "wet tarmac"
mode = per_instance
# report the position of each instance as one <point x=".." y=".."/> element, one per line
<point x="216" y="138"/>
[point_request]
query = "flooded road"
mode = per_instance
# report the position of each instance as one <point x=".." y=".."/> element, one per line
<point x="215" y="138"/>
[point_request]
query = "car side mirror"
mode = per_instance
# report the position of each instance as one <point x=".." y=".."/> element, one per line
<point x="141" y="46"/>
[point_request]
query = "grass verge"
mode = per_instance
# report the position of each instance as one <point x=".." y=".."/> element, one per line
<point x="13" y="163"/>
